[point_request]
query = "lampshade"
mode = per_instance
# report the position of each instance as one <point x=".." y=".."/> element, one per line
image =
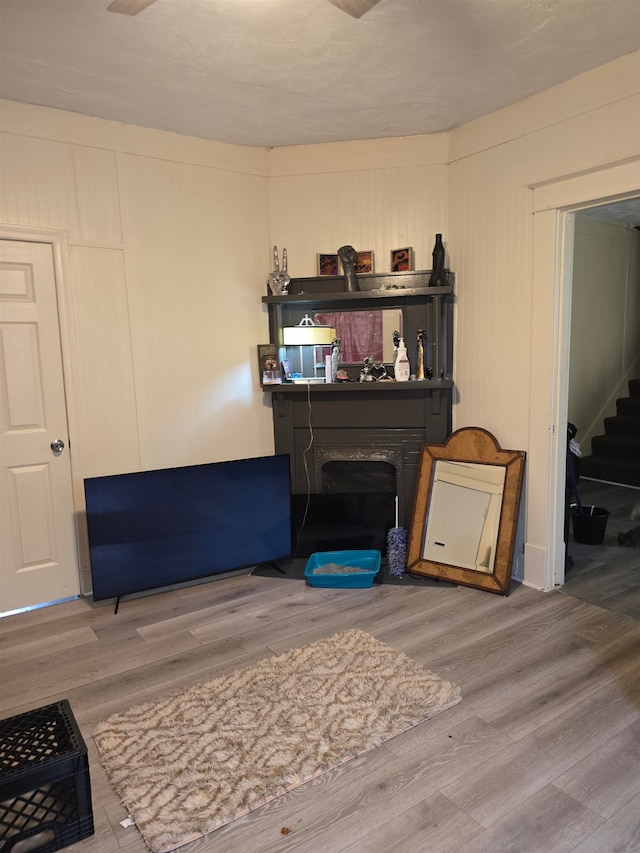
<point x="300" y="336"/>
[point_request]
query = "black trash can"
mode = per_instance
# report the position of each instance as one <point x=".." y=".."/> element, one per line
<point x="589" y="524"/>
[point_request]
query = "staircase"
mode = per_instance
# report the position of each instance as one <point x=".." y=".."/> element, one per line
<point x="616" y="454"/>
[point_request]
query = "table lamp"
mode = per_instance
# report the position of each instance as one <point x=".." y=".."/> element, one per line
<point x="307" y="334"/>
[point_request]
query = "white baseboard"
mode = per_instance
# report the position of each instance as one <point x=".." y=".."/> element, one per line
<point x="535" y="568"/>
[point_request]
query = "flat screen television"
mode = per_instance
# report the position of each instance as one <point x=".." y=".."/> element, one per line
<point x="156" y="528"/>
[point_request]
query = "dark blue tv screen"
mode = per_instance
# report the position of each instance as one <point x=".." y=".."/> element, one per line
<point x="155" y="528"/>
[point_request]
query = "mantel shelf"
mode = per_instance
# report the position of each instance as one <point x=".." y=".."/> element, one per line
<point x="372" y="286"/>
<point x="389" y="294"/>
<point x="413" y="386"/>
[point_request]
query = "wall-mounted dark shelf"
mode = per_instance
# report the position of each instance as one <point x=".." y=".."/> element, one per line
<point x="333" y="297"/>
<point x="380" y="284"/>
<point x="415" y="386"/>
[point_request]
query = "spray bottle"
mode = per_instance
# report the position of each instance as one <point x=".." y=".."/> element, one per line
<point x="402" y="369"/>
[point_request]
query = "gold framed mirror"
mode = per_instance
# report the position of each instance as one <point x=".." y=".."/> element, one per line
<point x="465" y="514"/>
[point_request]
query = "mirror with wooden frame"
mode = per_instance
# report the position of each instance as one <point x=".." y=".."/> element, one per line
<point x="465" y="514"/>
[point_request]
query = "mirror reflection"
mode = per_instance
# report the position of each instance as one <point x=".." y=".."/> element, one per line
<point x="363" y="334"/>
<point x="464" y="515"/>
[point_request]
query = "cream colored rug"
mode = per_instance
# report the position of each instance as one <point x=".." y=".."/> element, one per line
<point x="192" y="762"/>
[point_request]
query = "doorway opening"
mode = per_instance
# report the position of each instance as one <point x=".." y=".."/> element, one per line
<point x="554" y="207"/>
<point x="604" y="361"/>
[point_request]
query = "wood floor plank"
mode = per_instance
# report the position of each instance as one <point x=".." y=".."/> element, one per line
<point x="58" y="644"/>
<point x="465" y="619"/>
<point x="507" y="664"/>
<point x="451" y="738"/>
<point x="53" y="674"/>
<point x="564" y="688"/>
<point x="620" y="834"/>
<point x="273" y="603"/>
<point x="432" y="824"/>
<point x="603" y="625"/>
<point x="295" y="616"/>
<point x="607" y="579"/>
<point x="45" y="622"/>
<point x="136" y="613"/>
<point x="609" y="777"/>
<point x="607" y="574"/>
<point x="393" y="608"/>
<point x="625" y="601"/>
<point x="550" y="820"/>
<point x="491" y="791"/>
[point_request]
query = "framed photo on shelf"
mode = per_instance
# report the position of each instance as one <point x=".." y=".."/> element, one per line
<point x="364" y="262"/>
<point x="268" y="366"/>
<point x="402" y="259"/>
<point x="328" y="265"/>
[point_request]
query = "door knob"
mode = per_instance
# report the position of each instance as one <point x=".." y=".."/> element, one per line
<point x="57" y="445"/>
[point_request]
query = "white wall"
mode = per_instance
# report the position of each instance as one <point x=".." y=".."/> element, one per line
<point x="380" y="195"/>
<point x="165" y="262"/>
<point x="605" y="323"/>
<point x="581" y="125"/>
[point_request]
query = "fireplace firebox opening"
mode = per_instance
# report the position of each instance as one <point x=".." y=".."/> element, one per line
<point x="366" y="475"/>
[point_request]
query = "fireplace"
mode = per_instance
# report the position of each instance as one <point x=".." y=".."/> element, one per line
<point x="359" y="435"/>
<point x="357" y="470"/>
<point x="344" y="439"/>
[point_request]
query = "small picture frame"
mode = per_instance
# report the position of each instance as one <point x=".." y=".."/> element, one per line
<point x="268" y="365"/>
<point x="328" y="265"/>
<point x="402" y="259"/>
<point x="364" y="263"/>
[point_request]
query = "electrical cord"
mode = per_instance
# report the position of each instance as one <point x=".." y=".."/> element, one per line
<point x="306" y="468"/>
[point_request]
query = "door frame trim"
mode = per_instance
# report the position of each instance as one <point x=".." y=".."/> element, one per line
<point x="553" y="203"/>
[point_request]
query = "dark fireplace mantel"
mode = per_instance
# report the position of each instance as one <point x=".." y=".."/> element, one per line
<point x="383" y="423"/>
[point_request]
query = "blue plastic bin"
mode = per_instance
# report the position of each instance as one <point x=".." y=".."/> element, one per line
<point x="368" y="560"/>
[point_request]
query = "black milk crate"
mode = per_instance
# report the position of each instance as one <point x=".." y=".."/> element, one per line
<point x="45" y="791"/>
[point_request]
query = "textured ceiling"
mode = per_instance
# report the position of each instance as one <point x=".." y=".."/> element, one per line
<point x="279" y="72"/>
<point x="621" y="212"/>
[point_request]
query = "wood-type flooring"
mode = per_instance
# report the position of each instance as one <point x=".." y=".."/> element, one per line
<point x="607" y="574"/>
<point x="542" y="754"/>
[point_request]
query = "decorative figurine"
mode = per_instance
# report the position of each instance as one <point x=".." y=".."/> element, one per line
<point x="279" y="280"/>
<point x="365" y="371"/>
<point x="438" y="275"/>
<point x="348" y="257"/>
<point x="396" y="344"/>
<point x="379" y="372"/>
<point x="336" y="358"/>
<point x="371" y="372"/>
<point x="420" y="362"/>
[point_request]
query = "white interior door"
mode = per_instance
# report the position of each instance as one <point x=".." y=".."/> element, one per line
<point x="38" y="553"/>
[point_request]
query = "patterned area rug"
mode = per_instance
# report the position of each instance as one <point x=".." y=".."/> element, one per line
<point x="192" y="762"/>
